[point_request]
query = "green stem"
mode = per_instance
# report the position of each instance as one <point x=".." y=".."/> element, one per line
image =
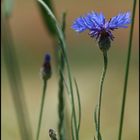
<point x="72" y="99"/>
<point x="101" y="89"/>
<point x="61" y="103"/>
<point x="79" y="105"/>
<point x="126" y="73"/>
<point x="41" y="109"/>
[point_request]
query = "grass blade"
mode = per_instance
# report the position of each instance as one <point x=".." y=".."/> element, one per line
<point x="15" y="81"/>
<point x="61" y="101"/>
<point x="127" y="72"/>
<point x="46" y="18"/>
<point x="61" y="38"/>
<point x="79" y="105"/>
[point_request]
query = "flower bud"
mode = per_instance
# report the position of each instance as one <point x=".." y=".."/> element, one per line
<point x="46" y="68"/>
<point x="104" y="43"/>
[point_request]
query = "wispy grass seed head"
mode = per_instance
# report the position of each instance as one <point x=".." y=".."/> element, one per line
<point x="99" y="28"/>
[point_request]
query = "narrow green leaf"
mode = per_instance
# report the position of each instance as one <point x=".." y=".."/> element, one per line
<point x="61" y="100"/>
<point x="15" y="80"/>
<point x="46" y="18"/>
<point x="61" y="38"/>
<point x="129" y="51"/>
<point x="79" y="104"/>
<point x="7" y="7"/>
<point x="59" y="31"/>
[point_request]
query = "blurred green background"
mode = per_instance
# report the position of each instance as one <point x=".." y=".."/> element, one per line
<point x="32" y="41"/>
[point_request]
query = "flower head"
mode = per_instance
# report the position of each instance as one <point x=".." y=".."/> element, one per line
<point x="47" y="58"/>
<point x="99" y="27"/>
<point x="46" y="68"/>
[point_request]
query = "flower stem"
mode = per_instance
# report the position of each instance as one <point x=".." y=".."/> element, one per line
<point x="126" y="73"/>
<point x="41" y="109"/>
<point x="101" y="89"/>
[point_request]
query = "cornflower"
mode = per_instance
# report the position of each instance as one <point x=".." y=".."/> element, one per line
<point x="99" y="28"/>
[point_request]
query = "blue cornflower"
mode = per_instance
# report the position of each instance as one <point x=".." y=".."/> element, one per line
<point x="99" y="27"/>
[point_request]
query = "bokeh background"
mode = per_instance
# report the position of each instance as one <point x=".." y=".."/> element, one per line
<point x="32" y="41"/>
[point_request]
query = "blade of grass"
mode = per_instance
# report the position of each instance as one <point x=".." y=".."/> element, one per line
<point x="49" y="26"/>
<point x="61" y="101"/>
<point x="61" y="38"/>
<point x="15" y="80"/>
<point x="68" y="91"/>
<point x="127" y="72"/>
<point x="79" y="105"/>
<point x="46" y="18"/>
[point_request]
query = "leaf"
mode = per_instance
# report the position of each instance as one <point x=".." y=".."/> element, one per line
<point x="46" y="18"/>
<point x="61" y="38"/>
<point x="58" y="29"/>
<point x="79" y="105"/>
<point x="7" y="7"/>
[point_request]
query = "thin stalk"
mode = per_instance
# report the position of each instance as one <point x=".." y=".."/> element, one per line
<point x="72" y="99"/>
<point x="41" y="109"/>
<point x="79" y="105"/>
<point x="101" y="91"/>
<point x="72" y="126"/>
<point x="61" y="102"/>
<point x="126" y="73"/>
<point x="72" y="130"/>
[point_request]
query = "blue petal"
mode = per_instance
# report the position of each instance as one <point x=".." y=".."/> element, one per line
<point x="97" y="19"/>
<point x="79" y="25"/>
<point x="90" y="21"/>
<point x="120" y="21"/>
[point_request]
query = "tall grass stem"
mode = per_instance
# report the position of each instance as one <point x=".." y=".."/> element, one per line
<point x="61" y="101"/>
<point x="127" y="72"/>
